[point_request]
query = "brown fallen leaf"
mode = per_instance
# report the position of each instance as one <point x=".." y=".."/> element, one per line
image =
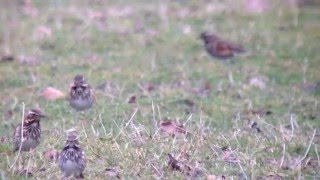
<point x="52" y="94"/>
<point x="51" y="155"/>
<point x="172" y="128"/>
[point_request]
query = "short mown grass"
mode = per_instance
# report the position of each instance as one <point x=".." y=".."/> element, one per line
<point x="122" y="48"/>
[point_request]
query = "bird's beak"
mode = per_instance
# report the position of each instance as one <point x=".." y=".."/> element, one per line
<point x="43" y="115"/>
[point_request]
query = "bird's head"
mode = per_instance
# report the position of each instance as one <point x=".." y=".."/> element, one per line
<point x="78" y="80"/>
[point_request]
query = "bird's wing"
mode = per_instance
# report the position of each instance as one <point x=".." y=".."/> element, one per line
<point x="17" y="138"/>
<point x="236" y="47"/>
<point x="223" y="49"/>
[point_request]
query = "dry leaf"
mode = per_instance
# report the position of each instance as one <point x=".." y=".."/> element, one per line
<point x="172" y="128"/>
<point x="52" y="94"/>
<point x="51" y="155"/>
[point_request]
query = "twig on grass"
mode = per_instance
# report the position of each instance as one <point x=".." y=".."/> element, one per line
<point x="310" y="143"/>
<point x="22" y="121"/>
<point x="283" y="154"/>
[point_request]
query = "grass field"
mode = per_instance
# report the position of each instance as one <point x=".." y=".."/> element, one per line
<point x="256" y="117"/>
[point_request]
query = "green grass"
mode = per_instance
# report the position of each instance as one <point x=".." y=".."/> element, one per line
<point x="134" y="43"/>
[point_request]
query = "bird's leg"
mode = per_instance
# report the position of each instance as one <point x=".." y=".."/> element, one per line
<point x="75" y="117"/>
<point x="83" y="115"/>
<point x="80" y="176"/>
<point x="31" y="155"/>
<point x="230" y="66"/>
<point x="230" y="76"/>
<point x="64" y="176"/>
<point x="20" y="162"/>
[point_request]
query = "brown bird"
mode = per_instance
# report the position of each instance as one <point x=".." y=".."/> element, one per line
<point x="27" y="135"/>
<point x="72" y="160"/>
<point x="219" y="48"/>
<point x="81" y="94"/>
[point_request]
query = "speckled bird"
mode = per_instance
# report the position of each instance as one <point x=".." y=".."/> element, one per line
<point x="27" y="135"/>
<point x="81" y="94"/>
<point x="72" y="158"/>
<point x="219" y="48"/>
